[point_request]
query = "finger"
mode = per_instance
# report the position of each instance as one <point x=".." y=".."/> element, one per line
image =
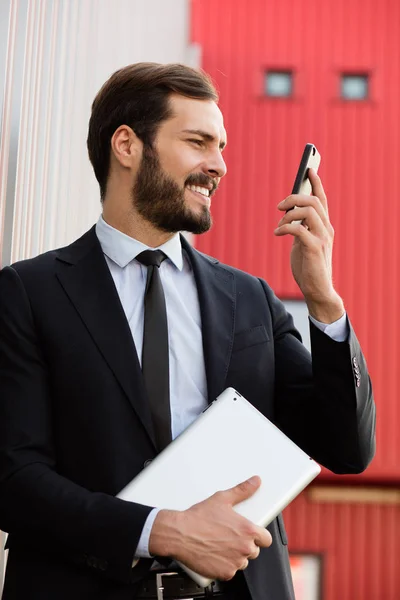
<point x="244" y="565"/>
<point x="303" y="200"/>
<point x="263" y="538"/>
<point x="255" y="553"/>
<point x="309" y="218"/>
<point x="299" y="231"/>
<point x="318" y="188"/>
<point x="242" y="491"/>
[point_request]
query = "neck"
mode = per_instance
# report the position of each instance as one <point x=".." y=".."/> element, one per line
<point x="134" y="225"/>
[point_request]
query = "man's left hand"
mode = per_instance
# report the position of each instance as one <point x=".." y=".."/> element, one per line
<point x="311" y="256"/>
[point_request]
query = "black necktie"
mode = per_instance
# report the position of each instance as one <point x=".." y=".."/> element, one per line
<point x="155" y="359"/>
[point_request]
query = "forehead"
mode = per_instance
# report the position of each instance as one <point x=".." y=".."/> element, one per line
<point x="191" y="114"/>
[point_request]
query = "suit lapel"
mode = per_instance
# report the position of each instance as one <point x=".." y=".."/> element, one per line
<point x="216" y="289"/>
<point x="86" y="279"/>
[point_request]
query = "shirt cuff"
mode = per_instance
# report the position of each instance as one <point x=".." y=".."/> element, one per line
<point x="142" y="550"/>
<point x="338" y="330"/>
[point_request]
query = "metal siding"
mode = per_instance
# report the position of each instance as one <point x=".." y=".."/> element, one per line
<point x="360" y="147"/>
<point x="359" y="543"/>
<point x="55" y="60"/>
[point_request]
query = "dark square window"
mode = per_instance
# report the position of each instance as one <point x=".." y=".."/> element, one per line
<point x="354" y="87"/>
<point x="279" y="84"/>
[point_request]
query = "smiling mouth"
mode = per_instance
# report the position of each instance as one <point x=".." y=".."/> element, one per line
<point x="199" y="190"/>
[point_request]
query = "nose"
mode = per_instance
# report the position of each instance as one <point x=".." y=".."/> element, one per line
<point x="216" y="166"/>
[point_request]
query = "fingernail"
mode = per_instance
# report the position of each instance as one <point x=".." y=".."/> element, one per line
<point x="253" y="480"/>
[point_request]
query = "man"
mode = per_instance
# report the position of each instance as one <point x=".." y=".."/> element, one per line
<point x="78" y="418"/>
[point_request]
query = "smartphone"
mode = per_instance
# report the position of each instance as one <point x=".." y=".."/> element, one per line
<point x="311" y="158"/>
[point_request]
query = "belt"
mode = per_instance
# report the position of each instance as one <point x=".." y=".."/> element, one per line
<point x="165" y="585"/>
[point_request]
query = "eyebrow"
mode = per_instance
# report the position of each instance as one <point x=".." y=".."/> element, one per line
<point x="204" y="135"/>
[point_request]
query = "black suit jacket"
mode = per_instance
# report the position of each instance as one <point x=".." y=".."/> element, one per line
<point x="75" y="426"/>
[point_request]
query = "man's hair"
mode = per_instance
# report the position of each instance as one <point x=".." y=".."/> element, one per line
<point x="138" y="96"/>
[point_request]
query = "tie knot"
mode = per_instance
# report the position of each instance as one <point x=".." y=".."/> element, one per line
<point x="151" y="258"/>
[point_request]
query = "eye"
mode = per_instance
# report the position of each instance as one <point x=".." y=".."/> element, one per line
<point x="197" y="142"/>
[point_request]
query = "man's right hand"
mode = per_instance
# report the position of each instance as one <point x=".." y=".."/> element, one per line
<point x="210" y="537"/>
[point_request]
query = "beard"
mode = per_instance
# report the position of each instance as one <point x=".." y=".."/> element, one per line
<point x="161" y="201"/>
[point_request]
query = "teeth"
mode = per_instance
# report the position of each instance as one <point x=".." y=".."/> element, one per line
<point x="200" y="190"/>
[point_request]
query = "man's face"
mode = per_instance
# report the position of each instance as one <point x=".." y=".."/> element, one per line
<point x="181" y="171"/>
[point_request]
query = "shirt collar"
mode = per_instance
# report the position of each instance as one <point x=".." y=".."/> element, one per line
<point x="122" y="248"/>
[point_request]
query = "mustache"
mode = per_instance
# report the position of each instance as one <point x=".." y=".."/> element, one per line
<point x="202" y="180"/>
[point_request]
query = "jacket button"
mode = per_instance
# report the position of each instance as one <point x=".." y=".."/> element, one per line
<point x="147" y="462"/>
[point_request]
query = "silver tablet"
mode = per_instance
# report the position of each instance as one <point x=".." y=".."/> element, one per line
<point x="228" y="443"/>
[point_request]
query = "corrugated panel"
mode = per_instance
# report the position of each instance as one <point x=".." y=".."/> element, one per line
<point x="55" y="63"/>
<point x="359" y="543"/>
<point x="360" y="147"/>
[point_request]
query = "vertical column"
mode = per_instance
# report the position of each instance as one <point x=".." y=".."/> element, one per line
<point x="13" y="16"/>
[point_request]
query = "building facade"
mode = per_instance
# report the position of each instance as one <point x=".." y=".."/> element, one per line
<point x="291" y="72"/>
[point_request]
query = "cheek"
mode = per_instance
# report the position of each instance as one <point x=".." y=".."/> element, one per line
<point x="180" y="164"/>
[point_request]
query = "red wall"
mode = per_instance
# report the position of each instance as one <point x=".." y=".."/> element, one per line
<point x="359" y="543"/>
<point x="360" y="147"/>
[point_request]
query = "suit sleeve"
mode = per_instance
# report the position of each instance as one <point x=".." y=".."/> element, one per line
<point x="36" y="503"/>
<point x="323" y="402"/>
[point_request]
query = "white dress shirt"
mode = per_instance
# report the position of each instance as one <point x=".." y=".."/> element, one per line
<point x="188" y="385"/>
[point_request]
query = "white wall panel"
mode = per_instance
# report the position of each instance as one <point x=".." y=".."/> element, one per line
<point x="54" y="57"/>
<point x="59" y="53"/>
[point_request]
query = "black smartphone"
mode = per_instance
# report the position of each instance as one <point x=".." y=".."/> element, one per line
<point x="311" y="158"/>
<point x="302" y="185"/>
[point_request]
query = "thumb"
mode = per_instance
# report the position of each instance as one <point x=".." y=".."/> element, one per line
<point x="243" y="490"/>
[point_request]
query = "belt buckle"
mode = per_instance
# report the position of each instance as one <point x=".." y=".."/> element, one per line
<point x="160" y="587"/>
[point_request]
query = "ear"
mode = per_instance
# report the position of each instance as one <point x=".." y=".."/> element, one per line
<point x="126" y="146"/>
